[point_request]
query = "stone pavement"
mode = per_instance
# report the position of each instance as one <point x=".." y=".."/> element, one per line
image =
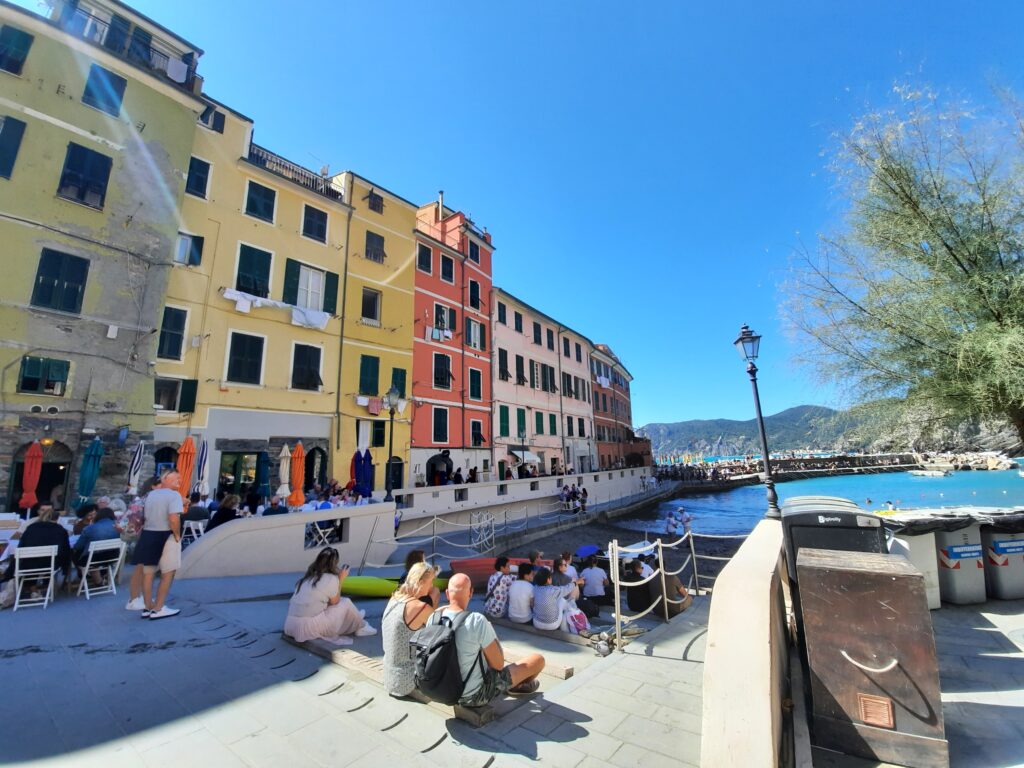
<point x="90" y="684"/>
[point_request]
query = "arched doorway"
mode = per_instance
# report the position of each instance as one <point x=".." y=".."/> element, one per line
<point x="53" y="479"/>
<point x="397" y="469"/>
<point x="316" y="468"/>
<point x="164" y="458"/>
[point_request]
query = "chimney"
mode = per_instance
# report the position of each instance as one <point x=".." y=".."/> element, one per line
<point x="440" y="204"/>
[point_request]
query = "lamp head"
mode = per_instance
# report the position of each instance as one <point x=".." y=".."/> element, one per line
<point x="747" y="344"/>
<point x="391" y="397"/>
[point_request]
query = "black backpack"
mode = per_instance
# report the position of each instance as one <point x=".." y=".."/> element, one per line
<point x="437" y="658"/>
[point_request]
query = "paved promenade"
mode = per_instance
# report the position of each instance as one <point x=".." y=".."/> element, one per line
<point x="90" y="684"/>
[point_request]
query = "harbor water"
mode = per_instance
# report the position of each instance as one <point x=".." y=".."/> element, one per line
<point x="738" y="511"/>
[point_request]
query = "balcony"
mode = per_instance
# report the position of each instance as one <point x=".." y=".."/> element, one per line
<point x="279" y="166"/>
<point x="133" y="43"/>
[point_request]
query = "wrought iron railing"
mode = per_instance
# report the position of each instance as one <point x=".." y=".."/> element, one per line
<point x="304" y="177"/>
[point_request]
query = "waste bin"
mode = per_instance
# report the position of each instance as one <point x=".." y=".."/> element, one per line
<point x="825" y="522"/>
<point x="1003" y="541"/>
<point x="959" y="553"/>
<point x="919" y="549"/>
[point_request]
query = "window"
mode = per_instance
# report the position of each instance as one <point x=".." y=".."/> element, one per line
<point x="424" y="258"/>
<point x="474" y="294"/>
<point x="14" y="46"/>
<point x="444" y="317"/>
<point x="537" y="334"/>
<point x="442" y="371"/>
<point x="378" y="432"/>
<point x="104" y="90"/>
<point x="213" y="119"/>
<point x="43" y="376"/>
<point x="476" y="335"/>
<point x="369" y="372"/>
<point x="503" y="372"/>
<point x="306" y="367"/>
<point x="579" y="353"/>
<point x="568" y="426"/>
<point x="533" y="374"/>
<point x="581" y="430"/>
<point x="190" y="250"/>
<point x="502" y="314"/>
<point x="85" y="176"/>
<point x="518" y="322"/>
<point x="476" y="385"/>
<point x="539" y="417"/>
<point x="552" y="424"/>
<point x="521" y="422"/>
<point x="374" y="247"/>
<point x="11" y="131"/>
<point x="398" y="380"/>
<point x="476" y="433"/>
<point x="60" y="281"/>
<point x="520" y="369"/>
<point x="371" y="306"/>
<point x="440" y="425"/>
<point x="172" y="334"/>
<point x="604" y="402"/>
<point x="447" y="269"/>
<point x="198" y="177"/>
<point x="245" y="358"/>
<point x="253" y="271"/>
<point x="551" y="340"/>
<point x="375" y="202"/>
<point x="314" y="223"/>
<point x="260" y="202"/>
<point x="308" y="287"/>
<point x="474" y="252"/>
<point x="503" y="421"/>
<point x="166" y="393"/>
<point x="565" y="346"/>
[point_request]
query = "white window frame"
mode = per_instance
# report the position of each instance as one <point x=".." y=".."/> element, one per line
<point x="182" y="233"/>
<point x="238" y="261"/>
<point x="433" y="368"/>
<point x="291" y="369"/>
<point x="227" y="359"/>
<point x="424" y="271"/>
<point x="177" y="402"/>
<point x="469" y="297"/>
<point x="245" y="201"/>
<point x="447" y="425"/>
<point x="440" y="269"/>
<point x="447" y="313"/>
<point x="184" y="337"/>
<point x="471" y="431"/>
<point x="209" y="176"/>
<point x="309" y="270"/>
<point x="302" y="223"/>
<point x="372" y="321"/>
<point x="474" y="334"/>
<point x="469" y="385"/>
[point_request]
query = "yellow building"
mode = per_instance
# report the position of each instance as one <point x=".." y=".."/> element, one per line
<point x="98" y="107"/>
<point x="272" y="261"/>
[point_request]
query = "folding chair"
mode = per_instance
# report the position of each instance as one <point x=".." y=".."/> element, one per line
<point x="23" y="574"/>
<point x="105" y="557"/>
<point x="194" y="529"/>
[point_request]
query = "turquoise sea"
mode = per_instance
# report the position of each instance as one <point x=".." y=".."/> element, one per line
<point x="738" y="510"/>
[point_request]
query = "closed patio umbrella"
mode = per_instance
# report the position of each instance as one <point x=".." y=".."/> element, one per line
<point x="135" y="468"/>
<point x="356" y="471"/>
<point x="262" y="474"/>
<point x="202" y="487"/>
<point x="284" y="471"/>
<point x="298" y="469"/>
<point x="90" y="470"/>
<point x="33" y="467"/>
<point x="186" y="460"/>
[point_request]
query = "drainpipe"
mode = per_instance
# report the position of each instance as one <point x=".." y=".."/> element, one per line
<point x="349" y="187"/>
<point x="462" y="302"/>
<point x="561" y="394"/>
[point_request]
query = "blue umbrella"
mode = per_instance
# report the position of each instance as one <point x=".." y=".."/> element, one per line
<point x="90" y="470"/>
<point x="587" y="550"/>
<point x="357" y="472"/>
<point x="368" y="472"/>
<point x="263" y="475"/>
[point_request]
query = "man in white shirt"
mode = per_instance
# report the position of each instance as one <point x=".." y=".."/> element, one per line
<point x="595" y="580"/>
<point x="520" y="596"/>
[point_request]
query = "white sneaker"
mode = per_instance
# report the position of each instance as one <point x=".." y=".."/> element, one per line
<point x="365" y="631"/>
<point x="138" y="604"/>
<point x="341" y="640"/>
<point x="164" y="613"/>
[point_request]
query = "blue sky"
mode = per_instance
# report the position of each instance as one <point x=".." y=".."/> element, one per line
<point x="645" y="170"/>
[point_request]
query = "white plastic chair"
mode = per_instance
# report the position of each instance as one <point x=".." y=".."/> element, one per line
<point x="105" y="557"/>
<point x="194" y="529"/>
<point x="21" y="574"/>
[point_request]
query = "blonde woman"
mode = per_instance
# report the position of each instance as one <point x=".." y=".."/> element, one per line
<point x="406" y="612"/>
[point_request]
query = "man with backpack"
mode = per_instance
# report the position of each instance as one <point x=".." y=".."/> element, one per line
<point x="455" y="634"/>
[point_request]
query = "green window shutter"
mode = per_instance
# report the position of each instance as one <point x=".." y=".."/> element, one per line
<point x="540" y="423"/>
<point x="398" y="380"/>
<point x="369" y="370"/>
<point x="187" y="398"/>
<point x="483" y="337"/>
<point x="475" y="385"/>
<point x="290" y="294"/>
<point x="552" y="424"/>
<point x="331" y="293"/>
<point x="533" y="375"/>
<point x="520" y="421"/>
<point x="468" y="333"/>
<point x="503" y="420"/>
<point x="58" y="370"/>
<point x="11" y="131"/>
<point x="195" y="251"/>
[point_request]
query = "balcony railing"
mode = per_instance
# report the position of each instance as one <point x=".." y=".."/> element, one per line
<point x="304" y="177"/>
<point x="134" y="44"/>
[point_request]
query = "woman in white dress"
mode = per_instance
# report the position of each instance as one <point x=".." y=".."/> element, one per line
<point x="318" y="611"/>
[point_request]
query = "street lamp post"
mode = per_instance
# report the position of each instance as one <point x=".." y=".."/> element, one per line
<point x="522" y="447"/>
<point x="391" y="403"/>
<point x="747" y="343"/>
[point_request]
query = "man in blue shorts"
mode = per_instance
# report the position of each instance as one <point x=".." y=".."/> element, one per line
<point x="158" y="547"/>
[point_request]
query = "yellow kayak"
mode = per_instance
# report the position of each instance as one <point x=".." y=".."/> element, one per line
<point x="375" y="586"/>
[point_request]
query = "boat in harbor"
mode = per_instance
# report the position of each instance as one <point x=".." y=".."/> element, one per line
<point x="931" y="472"/>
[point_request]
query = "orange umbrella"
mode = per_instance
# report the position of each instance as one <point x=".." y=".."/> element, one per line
<point x="30" y="475"/>
<point x="186" y="460"/>
<point x="297" y="497"/>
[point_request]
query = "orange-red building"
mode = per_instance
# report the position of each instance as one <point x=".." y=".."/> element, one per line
<point x="617" y="445"/>
<point x="451" y="389"/>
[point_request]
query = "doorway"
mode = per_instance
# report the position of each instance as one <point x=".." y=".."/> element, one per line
<point x="396" y="467"/>
<point x="237" y="472"/>
<point x="316" y="468"/>
<point x="53" y="478"/>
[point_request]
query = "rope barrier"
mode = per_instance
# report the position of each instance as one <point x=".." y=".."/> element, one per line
<point x="689" y="558"/>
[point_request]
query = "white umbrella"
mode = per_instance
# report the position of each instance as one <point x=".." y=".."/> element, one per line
<point x="202" y="469"/>
<point x="135" y="468"/>
<point x="284" y="471"/>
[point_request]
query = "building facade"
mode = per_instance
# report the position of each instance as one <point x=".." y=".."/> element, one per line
<point x="451" y="383"/>
<point x="98" y="108"/>
<point x="617" y="444"/>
